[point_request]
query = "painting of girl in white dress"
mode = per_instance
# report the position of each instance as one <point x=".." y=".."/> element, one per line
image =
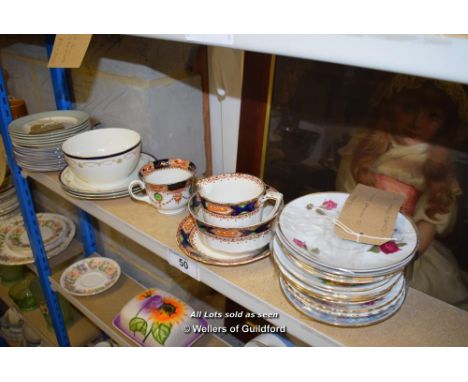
<point x="406" y="148"/>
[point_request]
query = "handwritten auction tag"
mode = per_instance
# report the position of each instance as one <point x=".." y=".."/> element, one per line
<point x="369" y="215"/>
<point x="183" y="264"/>
<point x="69" y="50"/>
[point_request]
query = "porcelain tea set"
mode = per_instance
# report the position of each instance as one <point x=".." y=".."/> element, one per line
<point x="231" y="217"/>
<point x="236" y="218"/>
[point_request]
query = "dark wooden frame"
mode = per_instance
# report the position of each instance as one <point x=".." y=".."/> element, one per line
<point x="254" y="114"/>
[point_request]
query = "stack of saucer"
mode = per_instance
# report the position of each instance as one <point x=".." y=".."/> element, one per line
<point x="37" y="138"/>
<point x="78" y="188"/>
<point x="336" y="281"/>
<point x="9" y="205"/>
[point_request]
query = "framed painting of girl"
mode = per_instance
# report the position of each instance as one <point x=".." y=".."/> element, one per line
<point x="328" y="127"/>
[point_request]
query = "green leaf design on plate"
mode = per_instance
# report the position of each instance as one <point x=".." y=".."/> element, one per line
<point x="401" y="245"/>
<point x="315" y="251"/>
<point x="309" y="206"/>
<point x="138" y="324"/>
<point x="319" y="211"/>
<point x="161" y="332"/>
<point x="375" y="249"/>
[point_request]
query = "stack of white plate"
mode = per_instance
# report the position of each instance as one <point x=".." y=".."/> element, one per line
<point x="336" y="281"/>
<point x="41" y="151"/>
<point x="57" y="232"/>
<point x="9" y="204"/>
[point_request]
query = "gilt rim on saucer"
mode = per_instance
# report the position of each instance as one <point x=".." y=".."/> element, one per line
<point x="184" y="239"/>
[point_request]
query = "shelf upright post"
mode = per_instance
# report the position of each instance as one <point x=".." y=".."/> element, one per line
<point x="30" y="220"/>
<point x="64" y="102"/>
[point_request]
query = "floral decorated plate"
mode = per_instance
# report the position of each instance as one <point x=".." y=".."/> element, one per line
<point x="327" y="288"/>
<point x="156" y="318"/>
<point x="10" y="257"/>
<point x="52" y="227"/>
<point x="341" y="320"/>
<point x="90" y="276"/>
<point x="189" y="242"/>
<point x="307" y="226"/>
<point x="313" y="271"/>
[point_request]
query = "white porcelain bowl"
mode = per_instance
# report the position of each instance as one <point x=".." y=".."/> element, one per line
<point x="103" y="156"/>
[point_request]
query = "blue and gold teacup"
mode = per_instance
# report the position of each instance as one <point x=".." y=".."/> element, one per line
<point x="234" y="240"/>
<point x="235" y="200"/>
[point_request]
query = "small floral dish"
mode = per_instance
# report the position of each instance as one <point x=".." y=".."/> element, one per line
<point x="156" y="318"/>
<point x="90" y="276"/>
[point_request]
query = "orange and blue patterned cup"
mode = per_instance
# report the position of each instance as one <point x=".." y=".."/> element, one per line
<point x="235" y="199"/>
<point x="168" y="184"/>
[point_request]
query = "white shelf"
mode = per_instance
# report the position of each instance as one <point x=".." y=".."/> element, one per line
<point x="422" y="321"/>
<point x="434" y="56"/>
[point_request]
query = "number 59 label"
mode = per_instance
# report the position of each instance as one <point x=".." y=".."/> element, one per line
<point x="183" y="264"/>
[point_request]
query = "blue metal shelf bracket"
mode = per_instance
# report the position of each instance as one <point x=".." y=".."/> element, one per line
<point x="87" y="233"/>
<point x="30" y="220"/>
<point x="64" y="102"/>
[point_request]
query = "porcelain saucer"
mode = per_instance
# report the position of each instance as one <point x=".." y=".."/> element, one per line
<point x="189" y="242"/>
<point x="70" y="182"/>
<point x="90" y="276"/>
<point x="341" y="320"/>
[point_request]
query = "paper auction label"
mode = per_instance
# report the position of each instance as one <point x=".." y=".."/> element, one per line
<point x="369" y="215"/>
<point x="69" y="50"/>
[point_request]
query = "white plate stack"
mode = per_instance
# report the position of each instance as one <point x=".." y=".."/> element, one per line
<point x="9" y="204"/>
<point x="336" y="281"/>
<point x="37" y="138"/>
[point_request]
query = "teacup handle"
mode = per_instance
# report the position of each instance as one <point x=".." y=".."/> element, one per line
<point x="134" y="183"/>
<point x="271" y="195"/>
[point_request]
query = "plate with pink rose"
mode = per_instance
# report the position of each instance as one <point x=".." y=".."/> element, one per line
<point x="307" y="227"/>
